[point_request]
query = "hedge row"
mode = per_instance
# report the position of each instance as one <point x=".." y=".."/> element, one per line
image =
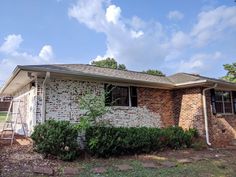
<point x="59" y="138"/>
<point x="111" y="141"/>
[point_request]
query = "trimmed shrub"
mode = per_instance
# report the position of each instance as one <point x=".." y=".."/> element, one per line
<point x="112" y="141"/>
<point x="57" y="138"/>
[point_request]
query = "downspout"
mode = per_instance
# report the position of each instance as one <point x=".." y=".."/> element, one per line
<point x="44" y="96"/>
<point x="205" y="112"/>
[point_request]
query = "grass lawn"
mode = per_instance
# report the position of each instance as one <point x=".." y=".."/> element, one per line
<point x="2" y="116"/>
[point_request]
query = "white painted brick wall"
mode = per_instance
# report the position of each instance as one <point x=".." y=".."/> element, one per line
<point x="27" y="107"/>
<point x="62" y="103"/>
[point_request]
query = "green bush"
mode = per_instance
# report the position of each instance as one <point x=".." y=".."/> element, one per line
<point x="109" y="141"/>
<point x="58" y="138"/>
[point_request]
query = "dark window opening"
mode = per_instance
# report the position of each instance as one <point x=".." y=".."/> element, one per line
<point x="234" y="101"/>
<point x="120" y="96"/>
<point x="133" y="95"/>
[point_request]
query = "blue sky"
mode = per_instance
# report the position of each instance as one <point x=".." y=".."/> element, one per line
<point x="172" y="36"/>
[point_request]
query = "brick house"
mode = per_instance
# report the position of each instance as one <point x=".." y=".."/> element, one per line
<point x="187" y="100"/>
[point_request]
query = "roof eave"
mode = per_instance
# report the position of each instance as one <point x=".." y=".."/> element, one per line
<point x="85" y="75"/>
<point x="191" y="84"/>
<point x="105" y="78"/>
<point x="231" y="86"/>
<point x="13" y="75"/>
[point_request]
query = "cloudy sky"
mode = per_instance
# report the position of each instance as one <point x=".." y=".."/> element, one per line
<point x="171" y="35"/>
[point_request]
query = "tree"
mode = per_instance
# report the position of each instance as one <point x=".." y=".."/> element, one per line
<point x="93" y="106"/>
<point x="154" y="72"/>
<point x="109" y="63"/>
<point x="231" y="72"/>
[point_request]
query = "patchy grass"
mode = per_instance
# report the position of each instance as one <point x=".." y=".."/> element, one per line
<point x="2" y="116"/>
<point x="210" y="167"/>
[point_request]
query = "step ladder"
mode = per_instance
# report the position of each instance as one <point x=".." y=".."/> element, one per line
<point x="13" y="118"/>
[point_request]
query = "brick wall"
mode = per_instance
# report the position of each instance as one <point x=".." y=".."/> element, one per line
<point x="62" y="103"/>
<point x="159" y="102"/>
<point x="156" y="108"/>
<point x="62" y="98"/>
<point x="119" y="116"/>
<point x="188" y="112"/>
<point x="27" y="95"/>
<point x="222" y="128"/>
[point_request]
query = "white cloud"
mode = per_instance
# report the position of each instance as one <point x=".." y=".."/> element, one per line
<point x="90" y="13"/>
<point x="137" y="23"/>
<point x="136" y="34"/>
<point x="144" y="44"/>
<point x="175" y="15"/>
<point x="12" y="43"/>
<point x="213" y="23"/>
<point x="180" y="40"/>
<point x="12" y="56"/>
<point x="46" y="53"/>
<point x="113" y="14"/>
<point x="199" y="62"/>
<point x="128" y="41"/>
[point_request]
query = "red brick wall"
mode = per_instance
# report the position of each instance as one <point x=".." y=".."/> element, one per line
<point x="158" y="101"/>
<point x="188" y="110"/>
<point x="221" y="127"/>
<point x="184" y="107"/>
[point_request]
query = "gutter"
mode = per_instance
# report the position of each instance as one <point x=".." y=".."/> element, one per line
<point x="44" y="96"/>
<point x="205" y="112"/>
<point x="191" y="83"/>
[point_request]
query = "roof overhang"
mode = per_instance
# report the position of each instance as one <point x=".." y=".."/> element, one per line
<point x="207" y="83"/>
<point x="22" y="75"/>
<point x="18" y="79"/>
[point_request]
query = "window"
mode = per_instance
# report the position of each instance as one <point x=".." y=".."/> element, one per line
<point x="234" y="101"/>
<point x="223" y="102"/>
<point x="121" y="95"/>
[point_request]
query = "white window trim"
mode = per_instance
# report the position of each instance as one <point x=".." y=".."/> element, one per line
<point x="130" y="104"/>
<point x="223" y="103"/>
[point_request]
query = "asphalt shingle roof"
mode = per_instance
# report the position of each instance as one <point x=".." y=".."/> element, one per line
<point x="105" y="72"/>
<point x="93" y="71"/>
<point x="180" y="78"/>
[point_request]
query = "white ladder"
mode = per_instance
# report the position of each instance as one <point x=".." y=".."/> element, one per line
<point x="13" y="118"/>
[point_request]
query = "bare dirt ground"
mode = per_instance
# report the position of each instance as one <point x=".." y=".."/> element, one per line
<point x="20" y="160"/>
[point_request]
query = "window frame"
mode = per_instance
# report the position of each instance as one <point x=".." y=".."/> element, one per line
<point x="111" y="87"/>
<point x="223" y="102"/>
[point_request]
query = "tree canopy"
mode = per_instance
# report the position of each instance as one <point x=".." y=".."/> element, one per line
<point x="231" y="72"/>
<point x="113" y="64"/>
<point x="109" y="63"/>
<point x="154" y="72"/>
